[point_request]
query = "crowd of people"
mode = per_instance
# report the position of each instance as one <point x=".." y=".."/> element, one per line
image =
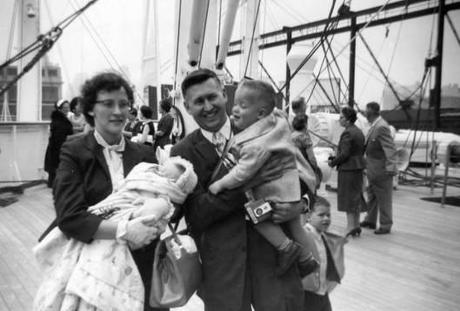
<point x="253" y="183"/>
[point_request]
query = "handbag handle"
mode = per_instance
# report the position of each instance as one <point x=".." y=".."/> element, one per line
<point x="174" y="233"/>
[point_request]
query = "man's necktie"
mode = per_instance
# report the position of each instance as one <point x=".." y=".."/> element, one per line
<point x="219" y="141"/>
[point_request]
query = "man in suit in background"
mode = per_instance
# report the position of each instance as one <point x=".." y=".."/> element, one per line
<point x="238" y="263"/>
<point x="381" y="167"/>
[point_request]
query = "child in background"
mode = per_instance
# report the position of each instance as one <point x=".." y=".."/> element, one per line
<point x="329" y="252"/>
<point x="263" y="132"/>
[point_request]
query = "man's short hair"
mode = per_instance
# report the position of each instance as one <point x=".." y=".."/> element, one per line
<point x="297" y="103"/>
<point x="197" y="77"/>
<point x="166" y="104"/>
<point x="349" y="114"/>
<point x="374" y="107"/>
<point x="265" y="92"/>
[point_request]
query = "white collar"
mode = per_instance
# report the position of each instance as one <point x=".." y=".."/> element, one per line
<point x="225" y="130"/>
<point x="315" y="232"/>
<point x="120" y="147"/>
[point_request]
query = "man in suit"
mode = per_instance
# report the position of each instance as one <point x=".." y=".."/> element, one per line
<point x="238" y="263"/>
<point x="381" y="167"/>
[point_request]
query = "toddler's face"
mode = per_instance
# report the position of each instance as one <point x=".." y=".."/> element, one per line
<point x="320" y="218"/>
<point x="171" y="171"/>
<point x="246" y="109"/>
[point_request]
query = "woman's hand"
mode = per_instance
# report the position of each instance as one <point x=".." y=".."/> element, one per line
<point x="137" y="232"/>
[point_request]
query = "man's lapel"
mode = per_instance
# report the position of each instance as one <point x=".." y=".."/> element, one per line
<point x="205" y="148"/>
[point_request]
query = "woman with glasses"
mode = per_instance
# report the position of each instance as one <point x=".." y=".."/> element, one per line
<point x="92" y="167"/>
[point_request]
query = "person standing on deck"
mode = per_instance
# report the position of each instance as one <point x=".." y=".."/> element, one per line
<point x="238" y="263"/>
<point x="381" y="167"/>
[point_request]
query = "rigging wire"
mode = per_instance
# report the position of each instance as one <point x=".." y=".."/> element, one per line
<point x="176" y="62"/>
<point x="92" y="35"/>
<point x="334" y="61"/>
<point x="43" y="44"/>
<point x="331" y="73"/>
<point x="288" y="10"/>
<point x="453" y="28"/>
<point x="117" y="66"/>
<point x="11" y="35"/>
<point x="252" y="38"/>
<point x="380" y="67"/>
<point x="66" y="73"/>
<point x="361" y="29"/>
<point x="271" y="79"/>
<point x="321" y="66"/>
<point x="316" y="47"/>
<point x="373" y="66"/>
<point x="204" y="32"/>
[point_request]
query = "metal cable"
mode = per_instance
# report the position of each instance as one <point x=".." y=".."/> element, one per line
<point x="252" y="38"/>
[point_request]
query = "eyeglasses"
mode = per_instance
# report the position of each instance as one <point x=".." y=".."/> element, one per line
<point x="111" y="104"/>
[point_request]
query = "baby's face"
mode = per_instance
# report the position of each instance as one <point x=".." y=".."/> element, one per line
<point x="246" y="109"/>
<point x="171" y="171"/>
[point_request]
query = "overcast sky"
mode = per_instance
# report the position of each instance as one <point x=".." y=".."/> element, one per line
<point x="119" y="24"/>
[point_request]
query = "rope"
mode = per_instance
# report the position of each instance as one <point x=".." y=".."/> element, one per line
<point x="43" y="43"/>
<point x="66" y="74"/>
<point x="252" y="38"/>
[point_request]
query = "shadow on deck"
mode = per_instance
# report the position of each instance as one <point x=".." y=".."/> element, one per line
<point x="414" y="268"/>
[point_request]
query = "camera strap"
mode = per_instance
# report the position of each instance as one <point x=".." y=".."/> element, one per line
<point x="228" y="145"/>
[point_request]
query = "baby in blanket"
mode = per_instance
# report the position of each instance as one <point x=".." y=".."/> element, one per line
<point x="149" y="190"/>
<point x="77" y="274"/>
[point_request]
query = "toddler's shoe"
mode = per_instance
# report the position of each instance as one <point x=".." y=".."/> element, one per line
<point x="308" y="266"/>
<point x="287" y="256"/>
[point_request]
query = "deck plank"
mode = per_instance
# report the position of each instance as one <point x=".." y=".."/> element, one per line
<point x="414" y="268"/>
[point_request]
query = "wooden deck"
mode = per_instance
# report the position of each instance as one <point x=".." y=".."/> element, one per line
<point x="417" y="267"/>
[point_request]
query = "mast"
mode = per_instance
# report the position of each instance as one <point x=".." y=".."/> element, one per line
<point x="351" y="77"/>
<point x="438" y="65"/>
<point x="29" y="86"/>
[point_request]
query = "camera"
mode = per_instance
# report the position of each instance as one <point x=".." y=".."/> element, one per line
<point x="258" y="210"/>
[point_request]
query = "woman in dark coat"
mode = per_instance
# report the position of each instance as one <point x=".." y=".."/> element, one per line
<point x="350" y="164"/>
<point x="60" y="128"/>
<point x="147" y="128"/>
<point x="165" y="125"/>
<point x="92" y="166"/>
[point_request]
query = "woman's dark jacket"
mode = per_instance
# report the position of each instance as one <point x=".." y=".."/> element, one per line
<point x="60" y="128"/>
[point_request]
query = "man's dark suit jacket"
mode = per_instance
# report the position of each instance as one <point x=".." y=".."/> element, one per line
<point x="232" y="252"/>
<point x="82" y="180"/>
<point x="350" y="153"/>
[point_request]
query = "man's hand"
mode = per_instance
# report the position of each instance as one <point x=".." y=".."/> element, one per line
<point x="283" y="212"/>
<point x="215" y="188"/>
